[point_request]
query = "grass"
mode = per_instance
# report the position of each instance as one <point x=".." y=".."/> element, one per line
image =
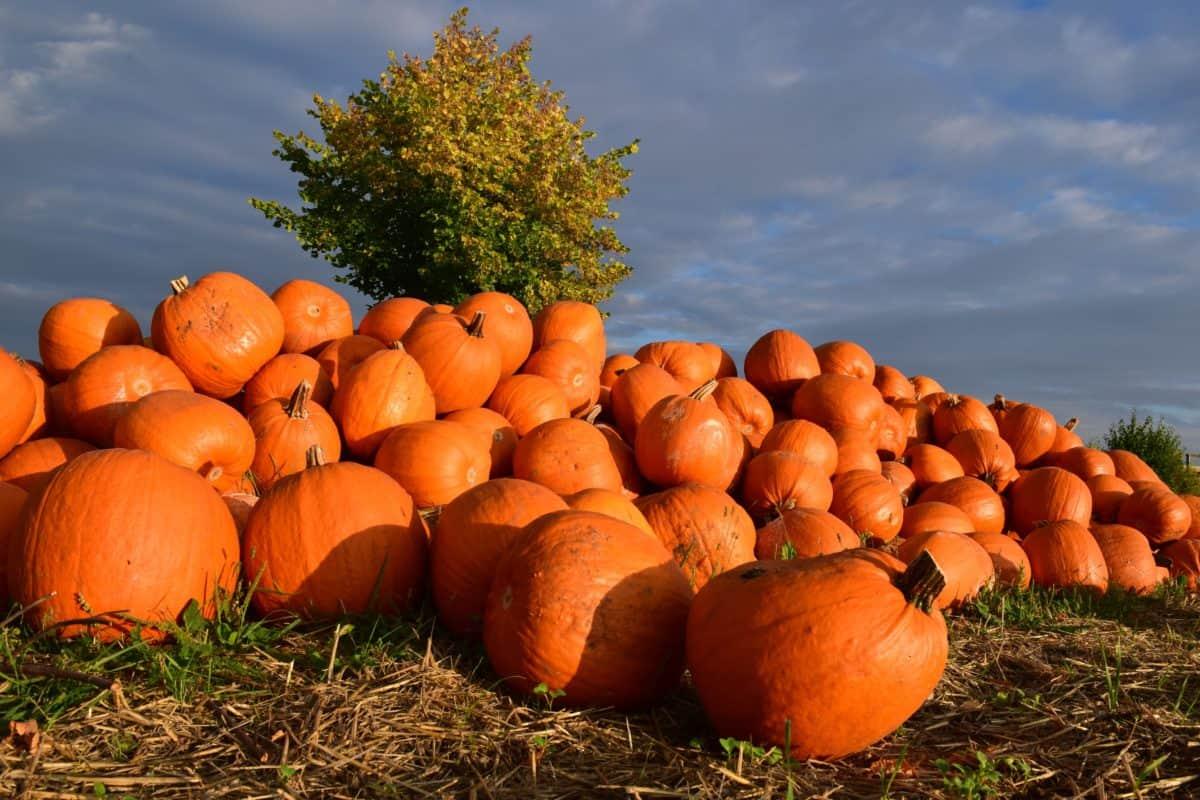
<point x="1046" y="694"/>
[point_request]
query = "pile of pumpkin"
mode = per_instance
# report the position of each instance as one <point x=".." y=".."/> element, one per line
<point x="601" y="521"/>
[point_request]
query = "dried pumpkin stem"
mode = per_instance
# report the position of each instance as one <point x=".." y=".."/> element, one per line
<point x="179" y="284"/>
<point x="431" y="514"/>
<point x="922" y="581"/>
<point x="705" y="389"/>
<point x="297" y="407"/>
<point x="476" y="326"/>
<point x="592" y="414"/>
<point x="1071" y="423"/>
<point x="397" y="345"/>
<point x="314" y="457"/>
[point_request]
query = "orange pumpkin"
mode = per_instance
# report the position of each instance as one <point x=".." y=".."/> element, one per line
<point x="807" y="439"/>
<point x="723" y="365"/>
<point x="342" y="355"/>
<point x="499" y="433"/>
<point x="623" y="456"/>
<point x="777" y="480"/>
<point x="568" y="366"/>
<point x="1158" y="513"/>
<point x="1048" y="494"/>
<point x="39" y="422"/>
<point x="434" y="461"/>
<point x="1193" y="504"/>
<point x="686" y="362"/>
<point x="932" y="465"/>
<point x="30" y="465"/>
<point x="901" y="477"/>
<point x="473" y="532"/>
<point x="386" y="390"/>
<point x="279" y="377"/>
<point x="566" y="456"/>
<point x="745" y="407"/>
<point x="107" y="384"/>
<point x="1183" y="561"/>
<point x="958" y="413"/>
<point x="614" y="365"/>
<point x="839" y="402"/>
<point x="571" y="319"/>
<point x="686" y="439"/>
<point x="460" y="362"/>
<point x="1030" y="432"/>
<point x="934" y="515"/>
<point x="1108" y="492"/>
<point x="612" y="504"/>
<point x="846" y="358"/>
<point x="527" y="401"/>
<point x="74" y="329"/>
<point x="1008" y="559"/>
<point x="923" y="386"/>
<point x="387" y="321"/>
<point x="984" y="455"/>
<point x="893" y="384"/>
<point x="20" y="402"/>
<point x="1065" y="437"/>
<point x="892" y="439"/>
<point x="173" y="541"/>
<point x="779" y="362"/>
<point x="219" y="330"/>
<point x="635" y="392"/>
<point x="856" y="451"/>
<point x="313" y="316"/>
<point x="966" y="565"/>
<point x="285" y="430"/>
<point x="590" y="607"/>
<point x="974" y="497"/>
<point x="1130" y="466"/>
<point x="704" y="528"/>
<point x="869" y="504"/>
<point x="1065" y="554"/>
<point x="58" y="421"/>
<point x="804" y="533"/>
<point x="508" y="326"/>
<point x="1085" y="462"/>
<point x="1128" y="557"/>
<point x="918" y="420"/>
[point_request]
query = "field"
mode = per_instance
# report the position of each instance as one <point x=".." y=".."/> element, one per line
<point x="1047" y="694"/>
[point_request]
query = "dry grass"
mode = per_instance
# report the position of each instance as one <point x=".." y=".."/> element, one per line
<point x="1045" y="696"/>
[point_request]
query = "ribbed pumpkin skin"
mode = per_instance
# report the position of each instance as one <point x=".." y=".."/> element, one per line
<point x="635" y="392"/>
<point x="29" y="465"/>
<point x="387" y="321"/>
<point x="1128" y="557"/>
<point x="1029" y="431"/>
<point x="856" y="452"/>
<point x="687" y="362"/>
<point x="19" y="402"/>
<point x="984" y="455"/>
<point x="193" y="431"/>
<point x="932" y="465"/>
<point x="499" y="433"/>
<point x="923" y="386"/>
<point x="1183" y="557"/>
<point x="966" y="565"/>
<point x="473" y="532"/>
<point x="933" y="515"/>
<point x="869" y="504"/>
<point x="807" y="439"/>
<point x="973" y="496"/>
<point x="1130" y="466"/>
<point x="846" y="358"/>
<point x="527" y="401"/>
<point x="777" y="480"/>
<point x="779" y="362"/>
<point x="892" y="439"/>
<point x="342" y="355"/>
<point x="284" y="430"/>
<point x="839" y="402"/>
<point x="746" y="408"/>
<point x="12" y="504"/>
<point x="1085" y="462"/>
<point x="508" y="325"/>
<point x="1108" y="492"/>
<point x="591" y="607"/>
<point x="434" y="461"/>
<point x="566" y="456"/>
<point x="892" y="384"/>
<point x="960" y="413"/>
<point x="806" y="533"/>
<point x="76" y="328"/>
<point x="705" y="530"/>
<point x="1049" y="494"/>
<point x="1158" y="513"/>
<point x="334" y="539"/>
<point x="1065" y="554"/>
<point x="313" y="315"/>
<point x="220" y="331"/>
<point x="38" y="422"/>
<point x="900" y="476"/>
<point x="683" y="439"/>
<point x="723" y="365"/>
<point x="172" y="541"/>
<point x="386" y="390"/>
<point x="106" y="385"/>
<point x="614" y="365"/>
<point x="567" y="365"/>
<point x="1193" y="504"/>
<point x="612" y="504"/>
<point x="461" y="363"/>
<point x="1008" y="559"/>
<point x="769" y="645"/>
<point x="280" y="376"/>
<point x="571" y="319"/>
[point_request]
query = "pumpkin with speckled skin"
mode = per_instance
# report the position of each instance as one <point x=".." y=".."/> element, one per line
<point x="566" y="456"/>
<point x="687" y="439"/>
<point x="704" y="528"/>
<point x="804" y="533"/>
<point x="76" y="328"/>
<point x="434" y="461"/>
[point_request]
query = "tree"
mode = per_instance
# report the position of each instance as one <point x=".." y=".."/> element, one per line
<point x="454" y="175"/>
<point x="1159" y="445"/>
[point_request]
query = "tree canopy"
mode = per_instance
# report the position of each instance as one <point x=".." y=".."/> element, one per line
<point x="457" y="174"/>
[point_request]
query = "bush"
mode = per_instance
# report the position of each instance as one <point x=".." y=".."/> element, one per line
<point x="1159" y="445"/>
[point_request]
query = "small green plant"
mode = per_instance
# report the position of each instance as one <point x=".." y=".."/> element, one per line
<point x="983" y="779"/>
<point x="1159" y="445"/>
<point x="787" y="551"/>
<point x="1112" y="676"/>
<point x="748" y="751"/>
<point x="548" y="694"/>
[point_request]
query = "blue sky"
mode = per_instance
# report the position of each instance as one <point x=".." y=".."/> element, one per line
<point x="1002" y="195"/>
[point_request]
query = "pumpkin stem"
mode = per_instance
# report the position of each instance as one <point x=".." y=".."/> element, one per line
<point x="922" y="581"/>
<point x="476" y="326"/>
<point x="297" y="406"/>
<point x="1000" y="402"/>
<point x="314" y="457"/>
<point x="431" y="515"/>
<point x="705" y="389"/>
<point x="1071" y="423"/>
<point x="397" y="345"/>
<point x="592" y="414"/>
<point x="255" y="489"/>
<point x="179" y="284"/>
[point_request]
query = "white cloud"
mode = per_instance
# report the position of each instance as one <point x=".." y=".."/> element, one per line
<point x="968" y="134"/>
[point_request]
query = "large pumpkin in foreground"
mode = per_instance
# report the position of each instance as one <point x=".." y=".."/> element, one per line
<point x="127" y="531"/>
<point x="590" y="606"/>
<point x="828" y="654"/>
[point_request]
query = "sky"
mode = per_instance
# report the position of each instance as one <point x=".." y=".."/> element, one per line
<point x="1003" y="195"/>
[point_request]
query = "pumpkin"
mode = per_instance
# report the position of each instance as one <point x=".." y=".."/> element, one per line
<point x="58" y="422"/>
<point x="342" y="355"/>
<point x="932" y="465"/>
<point x="869" y="504"/>
<point x="614" y="365"/>
<point x="1183" y="561"/>
<point x="387" y="321"/>
<point x="624" y="457"/>
<point x="240" y="504"/>
<point x="156" y="536"/>
<point x="30" y="465"/>
<point x="779" y="362"/>
<point x="334" y="539"/>
<point x="934" y="515"/>
<point x="12" y="504"/>
<point x="193" y="431"/>
<point x="461" y="364"/>
<point x="592" y="608"/>
<point x="706" y="531"/>
<point x="499" y="433"/>
<point x="571" y="319"/>
<point x="1130" y="467"/>
<point x="901" y="477"/>
<point x="508" y="326"/>
<point x="279" y="377"/>
<point x="635" y="392"/>
<point x="1065" y="437"/>
<point x="807" y="439"/>
<point x="686" y="362"/>
<point x="856" y="451"/>
<point x="827" y="655"/>
<point x="386" y="390"/>
<point x="1108" y="492"/>
<point x="967" y="567"/>
<point x="566" y="456"/>
<point x="219" y="330"/>
<point x="1193" y="504"/>
<point x="686" y="439"/>
<point x="434" y="461"/>
<point x="313" y="316"/>
<point x="473" y="532"/>
<point x="892" y="439"/>
<point x="745" y="407"/>
<point x="527" y="401"/>
<point x="442" y="308"/>
<point x="1064" y="554"/>
<point x="804" y="533"/>
<point x="960" y="413"/>
<point x="1048" y="494"/>
<point x="1001" y="407"/>
<point x="923" y="386"/>
<point x="20" y="401"/>
<point x="1008" y="559"/>
<point x="778" y="480"/>
<point x="846" y="358"/>
<point x="837" y="401"/>
<point x="1128" y="558"/>
<point x="971" y="495"/>
<point x="936" y="400"/>
<point x="38" y="422"/>
<point x="1158" y="513"/>
<point x="1030" y="432"/>
<point x="918" y="420"/>
<point x="107" y="384"/>
<point x="76" y="328"/>
<point x="568" y="366"/>
<point x="612" y="504"/>
<point x="984" y="455"/>
<point x="1086" y="462"/>
<point x="893" y="384"/>
<point x="285" y="430"/>
<point x="723" y="365"/>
